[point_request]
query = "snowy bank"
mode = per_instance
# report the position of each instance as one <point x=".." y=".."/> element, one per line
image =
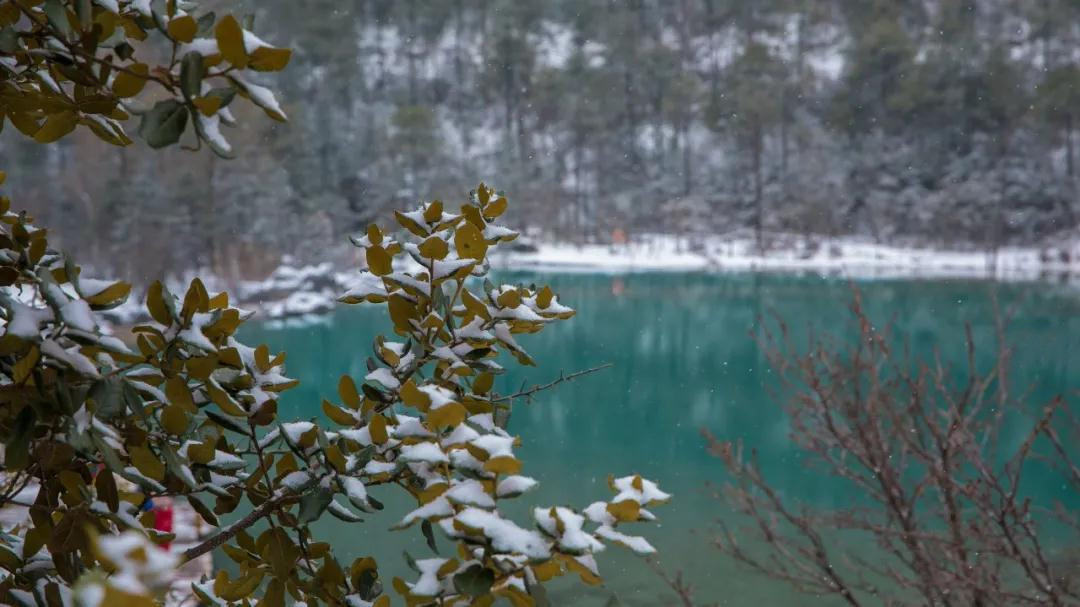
<point x="846" y="257"/>
<point x="299" y="294"/>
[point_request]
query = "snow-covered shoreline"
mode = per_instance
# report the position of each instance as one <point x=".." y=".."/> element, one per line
<point x="845" y="257"/>
<point x="297" y="293"/>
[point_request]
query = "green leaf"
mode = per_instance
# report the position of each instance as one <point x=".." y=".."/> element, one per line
<point x="164" y="123"/>
<point x="124" y="51"/>
<point x="313" y="504"/>
<point x="9" y="40"/>
<point x="225" y="93"/>
<point x="429" y="535"/>
<point x="56" y="126"/>
<point x="17" y="447"/>
<point x="108" y="398"/>
<point x="230" y="39"/>
<point x="205" y="23"/>
<point x="539" y="595"/>
<point x="203" y="510"/>
<point x="191" y="74"/>
<point x="57" y="16"/>
<point x="475" y="581"/>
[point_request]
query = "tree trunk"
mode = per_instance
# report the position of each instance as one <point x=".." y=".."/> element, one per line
<point x="759" y="218"/>
<point x="687" y="151"/>
<point x="1070" y="162"/>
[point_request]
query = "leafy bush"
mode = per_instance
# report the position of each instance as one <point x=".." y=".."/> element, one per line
<point x="192" y="412"/>
<point x="100" y="426"/>
<point x="66" y="63"/>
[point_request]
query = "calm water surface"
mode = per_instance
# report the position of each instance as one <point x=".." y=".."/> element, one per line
<point x="683" y="361"/>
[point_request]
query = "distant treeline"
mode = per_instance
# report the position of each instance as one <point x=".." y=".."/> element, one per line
<point x="937" y="121"/>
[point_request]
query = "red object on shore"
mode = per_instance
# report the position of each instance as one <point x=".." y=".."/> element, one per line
<point x="163" y="520"/>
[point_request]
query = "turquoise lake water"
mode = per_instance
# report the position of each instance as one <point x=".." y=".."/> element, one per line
<point x="683" y="360"/>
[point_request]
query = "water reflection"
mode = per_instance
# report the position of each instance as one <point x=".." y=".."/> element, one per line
<point x="683" y="359"/>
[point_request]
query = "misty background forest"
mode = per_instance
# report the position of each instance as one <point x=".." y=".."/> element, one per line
<point x="912" y="122"/>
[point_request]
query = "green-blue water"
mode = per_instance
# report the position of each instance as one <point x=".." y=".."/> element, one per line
<point x="683" y="361"/>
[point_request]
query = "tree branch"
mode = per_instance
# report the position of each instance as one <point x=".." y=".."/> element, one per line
<point x="525" y="393"/>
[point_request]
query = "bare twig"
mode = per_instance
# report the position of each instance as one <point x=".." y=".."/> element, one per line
<point x="947" y="512"/>
<point x="528" y="392"/>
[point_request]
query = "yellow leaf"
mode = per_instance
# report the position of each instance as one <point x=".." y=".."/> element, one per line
<point x="201" y="453"/>
<point x="413" y="397"/>
<point x="377" y="428"/>
<point x="584" y="572"/>
<point x="472" y="215"/>
<point x="230" y="39"/>
<point x="474" y="305"/>
<point x="496" y="208"/>
<point x="224" y="401"/>
<point x="374" y="234"/>
<point x="219" y="301"/>
<point x="470" y="242"/>
<point x="131" y="81"/>
<point x="433" y="212"/>
<point x="410" y="225"/>
<point x="147" y="463"/>
<point x="337" y="414"/>
<point x="174" y="420"/>
<point x="270" y="59"/>
<point x="401" y="311"/>
<point x="503" y="464"/>
<point x="113" y="293"/>
<point x="56" y="126"/>
<point x="177" y="391"/>
<point x="509" y="299"/>
<point x="378" y="261"/>
<point x="20" y="371"/>
<point x="262" y="358"/>
<point x="543" y="298"/>
<point x="183" y="28"/>
<point x="155" y="302"/>
<point x="448" y="415"/>
<point x="483" y="383"/>
<point x="626" y="510"/>
<point x="208" y="106"/>
<point x="347" y="391"/>
<point x="547" y="570"/>
<point x="434" y="248"/>
<point x="335" y="457"/>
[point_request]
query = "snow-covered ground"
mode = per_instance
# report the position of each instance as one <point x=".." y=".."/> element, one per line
<point x="304" y="294"/>
<point x="788" y="253"/>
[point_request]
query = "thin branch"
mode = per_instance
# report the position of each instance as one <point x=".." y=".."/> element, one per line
<point x="527" y="392"/>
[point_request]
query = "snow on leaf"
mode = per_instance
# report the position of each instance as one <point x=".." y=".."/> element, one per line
<point x="643" y="491"/>
<point x="566" y="526"/>
<point x="636" y="543"/>
<point x="469" y="493"/>
<point x="495" y="446"/>
<point x="423" y="452"/>
<point x="25" y="321"/>
<point x="385" y="377"/>
<point x="429" y="583"/>
<point x="506" y="536"/>
<point x="514" y="485"/>
<point x="437" y="508"/>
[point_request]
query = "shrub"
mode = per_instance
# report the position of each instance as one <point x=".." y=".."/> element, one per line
<point x="189" y="411"/>
<point x="70" y="63"/>
<point x="936" y="461"/>
<point x="192" y="412"/>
